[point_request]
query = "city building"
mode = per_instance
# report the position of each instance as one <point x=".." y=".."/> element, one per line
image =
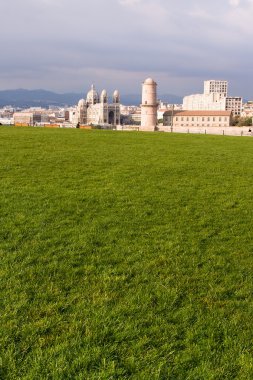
<point x="164" y="106"/>
<point x="234" y="104"/>
<point x="199" y="102"/>
<point x="23" y="118"/>
<point x="247" y="109"/>
<point x="6" y="115"/>
<point x="197" y="118"/>
<point x="215" y="97"/>
<point x="97" y="110"/>
<point x="219" y="87"/>
<point x="149" y="105"/>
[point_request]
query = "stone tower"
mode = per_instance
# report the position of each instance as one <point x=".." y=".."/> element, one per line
<point x="149" y="105"/>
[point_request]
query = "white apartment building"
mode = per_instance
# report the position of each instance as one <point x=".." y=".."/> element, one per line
<point x="204" y="102"/>
<point x="216" y="87"/>
<point x="215" y="97"/>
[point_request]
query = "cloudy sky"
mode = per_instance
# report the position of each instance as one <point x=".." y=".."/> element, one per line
<point x="65" y="45"/>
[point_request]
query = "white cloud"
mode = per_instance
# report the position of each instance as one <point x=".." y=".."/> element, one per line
<point x="234" y="3"/>
<point x="200" y="13"/>
<point x="129" y="2"/>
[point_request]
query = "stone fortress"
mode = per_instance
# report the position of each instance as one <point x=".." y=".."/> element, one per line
<point x="97" y="110"/>
<point x="149" y="105"/>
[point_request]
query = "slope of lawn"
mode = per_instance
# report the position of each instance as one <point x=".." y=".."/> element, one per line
<point x="125" y="255"/>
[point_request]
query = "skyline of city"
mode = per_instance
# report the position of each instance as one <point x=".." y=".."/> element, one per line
<point x="64" y="46"/>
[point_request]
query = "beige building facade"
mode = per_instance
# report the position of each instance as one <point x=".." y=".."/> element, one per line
<point x="25" y="118"/>
<point x="197" y="118"/>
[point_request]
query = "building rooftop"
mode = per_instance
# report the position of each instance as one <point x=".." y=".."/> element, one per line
<point x="198" y="113"/>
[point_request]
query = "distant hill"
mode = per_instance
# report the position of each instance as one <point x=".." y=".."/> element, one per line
<point x="36" y="98"/>
<point x="44" y="98"/>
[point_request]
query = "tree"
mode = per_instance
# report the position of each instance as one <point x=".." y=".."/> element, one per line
<point x="241" y="121"/>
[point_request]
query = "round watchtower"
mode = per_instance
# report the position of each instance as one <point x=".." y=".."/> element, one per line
<point x="149" y="105"/>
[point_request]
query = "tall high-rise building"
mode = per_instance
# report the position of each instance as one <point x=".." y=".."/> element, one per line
<point x="216" y="87"/>
<point x="149" y="105"/>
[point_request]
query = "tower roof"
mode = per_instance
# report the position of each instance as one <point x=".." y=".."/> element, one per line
<point x="149" y="81"/>
<point x="81" y="103"/>
<point x="115" y="96"/>
<point x="103" y="97"/>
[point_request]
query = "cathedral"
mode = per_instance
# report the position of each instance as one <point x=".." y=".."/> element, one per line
<point x="97" y="111"/>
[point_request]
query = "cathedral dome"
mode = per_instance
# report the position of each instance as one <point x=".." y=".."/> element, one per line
<point x="81" y="103"/>
<point x="92" y="96"/>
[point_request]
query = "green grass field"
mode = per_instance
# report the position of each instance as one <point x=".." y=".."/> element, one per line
<point x="125" y="255"/>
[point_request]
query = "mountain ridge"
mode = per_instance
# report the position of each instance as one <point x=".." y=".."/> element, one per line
<point x="44" y="98"/>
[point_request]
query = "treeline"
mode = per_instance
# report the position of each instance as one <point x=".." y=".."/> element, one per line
<point x="242" y="121"/>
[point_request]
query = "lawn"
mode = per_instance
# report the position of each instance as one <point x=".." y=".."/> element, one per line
<point x="125" y="255"/>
